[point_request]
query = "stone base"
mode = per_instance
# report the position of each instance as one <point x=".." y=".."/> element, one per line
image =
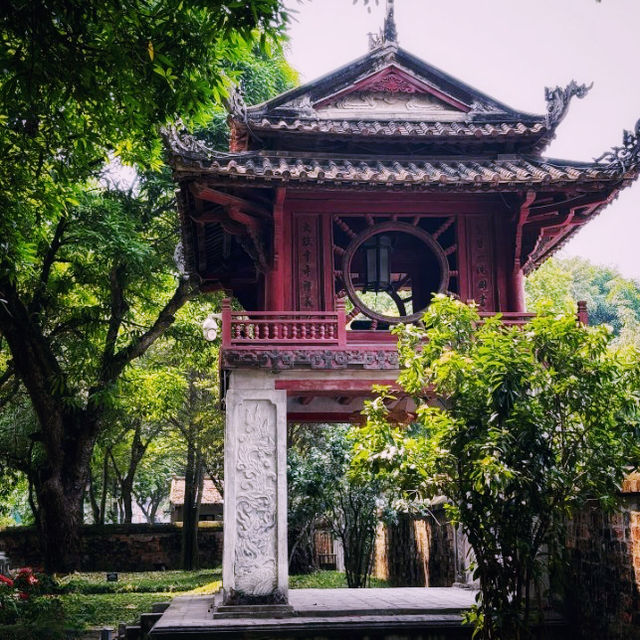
<point x="268" y="609"/>
<point x="254" y="611"/>
<point x="233" y="598"/>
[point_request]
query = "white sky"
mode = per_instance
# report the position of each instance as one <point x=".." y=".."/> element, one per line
<point x="511" y="50"/>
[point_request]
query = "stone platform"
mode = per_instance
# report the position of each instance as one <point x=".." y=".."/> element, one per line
<point x="428" y="614"/>
<point x="345" y="614"/>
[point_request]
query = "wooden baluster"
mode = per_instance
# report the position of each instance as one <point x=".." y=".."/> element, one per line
<point x="341" y="322"/>
<point x="226" y="323"/>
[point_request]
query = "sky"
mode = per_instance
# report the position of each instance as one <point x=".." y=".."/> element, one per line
<point x="512" y="50"/>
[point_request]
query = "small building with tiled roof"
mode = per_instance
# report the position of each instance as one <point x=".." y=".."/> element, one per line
<point x="210" y="506"/>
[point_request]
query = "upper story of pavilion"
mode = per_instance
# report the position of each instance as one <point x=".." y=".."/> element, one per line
<point x="344" y="204"/>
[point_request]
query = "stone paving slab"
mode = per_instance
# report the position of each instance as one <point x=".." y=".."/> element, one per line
<point x="328" y="610"/>
<point x="433" y="600"/>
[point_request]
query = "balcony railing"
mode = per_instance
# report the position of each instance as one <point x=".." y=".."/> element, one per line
<point x="320" y="329"/>
<point x="510" y="318"/>
<point x="283" y="328"/>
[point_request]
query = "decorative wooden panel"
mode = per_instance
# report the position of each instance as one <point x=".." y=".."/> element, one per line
<point x="308" y="261"/>
<point x="481" y="261"/>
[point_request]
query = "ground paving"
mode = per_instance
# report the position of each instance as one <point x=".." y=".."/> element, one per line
<point x="327" y="610"/>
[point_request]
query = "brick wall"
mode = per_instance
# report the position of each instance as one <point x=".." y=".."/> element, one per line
<point x="132" y="547"/>
<point x="602" y="575"/>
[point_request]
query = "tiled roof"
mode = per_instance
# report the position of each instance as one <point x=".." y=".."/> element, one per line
<point x="210" y="495"/>
<point x="422" y="172"/>
<point x="373" y="128"/>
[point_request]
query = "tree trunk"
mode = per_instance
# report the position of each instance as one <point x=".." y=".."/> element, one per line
<point x="60" y="486"/>
<point x="189" y="525"/>
<point x="138" y="449"/>
<point x="105" y="481"/>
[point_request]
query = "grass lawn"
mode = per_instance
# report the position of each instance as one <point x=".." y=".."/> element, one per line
<point x="90" y="601"/>
<point x="140" y="582"/>
<point x="327" y="580"/>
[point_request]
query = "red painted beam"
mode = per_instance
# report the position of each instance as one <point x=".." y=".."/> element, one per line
<point x="344" y="387"/>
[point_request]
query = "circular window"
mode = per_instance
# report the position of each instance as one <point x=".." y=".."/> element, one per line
<point x="391" y="270"/>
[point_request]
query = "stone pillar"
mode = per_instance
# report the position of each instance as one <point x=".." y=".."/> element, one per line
<point x="255" y="567"/>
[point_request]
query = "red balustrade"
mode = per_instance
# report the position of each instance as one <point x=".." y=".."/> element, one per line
<point x="510" y="318"/>
<point x="273" y="328"/>
<point x="319" y="328"/>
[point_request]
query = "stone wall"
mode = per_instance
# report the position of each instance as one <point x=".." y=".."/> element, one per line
<point x="130" y="547"/>
<point x="602" y="574"/>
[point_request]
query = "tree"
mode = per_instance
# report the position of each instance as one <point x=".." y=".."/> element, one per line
<point x="529" y="424"/>
<point x="611" y="298"/>
<point x="82" y="81"/>
<point x="320" y="487"/>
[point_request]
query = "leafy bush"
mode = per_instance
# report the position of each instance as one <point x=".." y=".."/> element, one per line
<point x="529" y="425"/>
<point x="26" y="612"/>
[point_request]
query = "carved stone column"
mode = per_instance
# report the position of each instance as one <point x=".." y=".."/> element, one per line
<point x="255" y="568"/>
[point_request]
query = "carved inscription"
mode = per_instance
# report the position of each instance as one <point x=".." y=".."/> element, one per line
<point x="481" y="261"/>
<point x="308" y="260"/>
<point x="256" y="571"/>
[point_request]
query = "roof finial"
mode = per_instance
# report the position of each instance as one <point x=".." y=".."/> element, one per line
<point x="390" y="32"/>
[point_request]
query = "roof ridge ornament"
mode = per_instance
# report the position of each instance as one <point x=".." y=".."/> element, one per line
<point x="389" y="32"/>
<point x="627" y="156"/>
<point x="558" y="100"/>
<point x="180" y="141"/>
<point x="236" y="106"/>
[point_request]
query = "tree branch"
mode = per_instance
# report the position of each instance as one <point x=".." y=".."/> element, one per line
<point x="33" y="359"/>
<point x="49" y="258"/>
<point x="119" y="307"/>
<point x="185" y="290"/>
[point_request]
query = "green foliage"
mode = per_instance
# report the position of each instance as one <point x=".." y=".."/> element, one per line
<point x="611" y="299"/>
<point x="261" y="75"/>
<point x="319" y="486"/>
<point x="96" y="282"/>
<point x="82" y="80"/>
<point x="328" y="580"/>
<point x="14" y="506"/>
<point x="529" y="424"/>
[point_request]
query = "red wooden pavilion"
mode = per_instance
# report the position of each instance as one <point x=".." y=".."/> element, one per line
<point x="339" y="209"/>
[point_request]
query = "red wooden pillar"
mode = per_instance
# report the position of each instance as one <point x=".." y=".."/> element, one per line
<point x="583" y="314"/>
<point x="516" y="290"/>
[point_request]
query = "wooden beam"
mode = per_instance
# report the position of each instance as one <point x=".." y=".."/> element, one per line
<point x="344" y="387"/>
<point x="205" y="192"/>
<point x="535" y="212"/>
